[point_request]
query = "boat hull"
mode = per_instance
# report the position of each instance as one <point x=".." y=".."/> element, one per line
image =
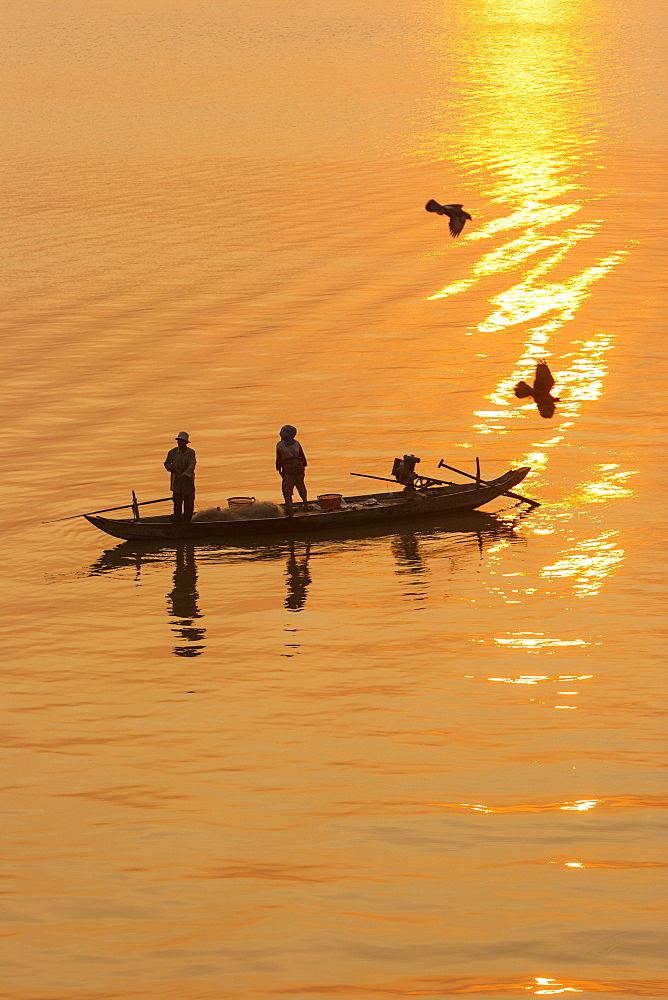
<point x="389" y="507"/>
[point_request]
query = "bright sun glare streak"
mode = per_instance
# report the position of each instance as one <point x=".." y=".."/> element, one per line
<point x="506" y="257"/>
<point x="524" y="679"/>
<point x="529" y="300"/>
<point x="610" y="485"/>
<point x="537" y="678"/>
<point x="522" y="93"/>
<point x="531" y="218"/>
<point x="536" y="640"/>
<point x="529" y="130"/>
<point x="521" y="103"/>
<point x="588" y="563"/>
<point x="554" y="987"/>
<point x="580" y="805"/>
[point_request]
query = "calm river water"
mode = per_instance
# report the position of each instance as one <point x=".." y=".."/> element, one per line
<point x="423" y="763"/>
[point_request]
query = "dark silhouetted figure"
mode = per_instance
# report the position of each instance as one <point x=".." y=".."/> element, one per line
<point x="180" y="463"/>
<point x="540" y="391"/>
<point x="291" y="464"/>
<point x="455" y="214"/>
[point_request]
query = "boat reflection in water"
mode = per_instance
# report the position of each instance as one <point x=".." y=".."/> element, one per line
<point x="412" y="552"/>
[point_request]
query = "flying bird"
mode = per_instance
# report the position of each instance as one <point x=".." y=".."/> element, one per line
<point x="455" y="214"/>
<point x="540" y="390"/>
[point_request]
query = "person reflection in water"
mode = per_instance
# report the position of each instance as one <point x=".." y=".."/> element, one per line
<point x="411" y="567"/>
<point x="291" y="463"/>
<point x="182" y="603"/>
<point x="180" y="463"/>
<point x="297" y="578"/>
<point x="406" y="551"/>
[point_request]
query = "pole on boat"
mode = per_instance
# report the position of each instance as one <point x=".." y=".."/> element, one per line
<point x="426" y="481"/>
<point x="505" y="493"/>
<point x="477" y="473"/>
<point x="107" y="510"/>
<point x="380" y="479"/>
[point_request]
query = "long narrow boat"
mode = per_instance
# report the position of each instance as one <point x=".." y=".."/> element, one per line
<point x="372" y="509"/>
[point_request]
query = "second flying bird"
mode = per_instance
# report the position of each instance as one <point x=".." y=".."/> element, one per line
<point x="455" y="214"/>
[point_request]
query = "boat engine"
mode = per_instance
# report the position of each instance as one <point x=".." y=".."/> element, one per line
<point x="403" y="469"/>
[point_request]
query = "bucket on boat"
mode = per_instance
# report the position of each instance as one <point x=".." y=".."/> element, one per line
<point x="236" y="502"/>
<point x="330" y="501"/>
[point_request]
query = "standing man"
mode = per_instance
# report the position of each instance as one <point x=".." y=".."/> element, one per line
<point x="291" y="463"/>
<point x="180" y="463"/>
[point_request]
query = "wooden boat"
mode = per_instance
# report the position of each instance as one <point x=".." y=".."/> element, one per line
<point x="481" y="528"/>
<point x="372" y="510"/>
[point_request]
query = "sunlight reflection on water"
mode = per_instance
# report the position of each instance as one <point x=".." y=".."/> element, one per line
<point x="330" y="768"/>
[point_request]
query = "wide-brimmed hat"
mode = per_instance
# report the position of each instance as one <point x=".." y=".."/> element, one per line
<point x="182" y="436"/>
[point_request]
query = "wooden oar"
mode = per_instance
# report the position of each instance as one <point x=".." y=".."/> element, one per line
<point x="106" y="510"/>
<point x="505" y="493"/>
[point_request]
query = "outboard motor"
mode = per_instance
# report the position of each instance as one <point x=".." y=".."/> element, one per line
<point x="403" y="469"/>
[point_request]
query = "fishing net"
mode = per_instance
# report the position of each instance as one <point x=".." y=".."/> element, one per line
<point x="245" y="513"/>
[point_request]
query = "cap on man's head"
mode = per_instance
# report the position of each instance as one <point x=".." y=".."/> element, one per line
<point x="182" y="436"/>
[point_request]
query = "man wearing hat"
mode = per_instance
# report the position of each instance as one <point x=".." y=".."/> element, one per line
<point x="180" y="463"/>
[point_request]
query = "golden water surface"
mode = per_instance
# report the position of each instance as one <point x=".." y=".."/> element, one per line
<point x="421" y="763"/>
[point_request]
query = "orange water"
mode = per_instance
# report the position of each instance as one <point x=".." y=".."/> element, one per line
<point x="424" y="763"/>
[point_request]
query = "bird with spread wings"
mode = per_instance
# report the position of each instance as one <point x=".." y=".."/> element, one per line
<point x="455" y="214"/>
<point x="540" y="390"/>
